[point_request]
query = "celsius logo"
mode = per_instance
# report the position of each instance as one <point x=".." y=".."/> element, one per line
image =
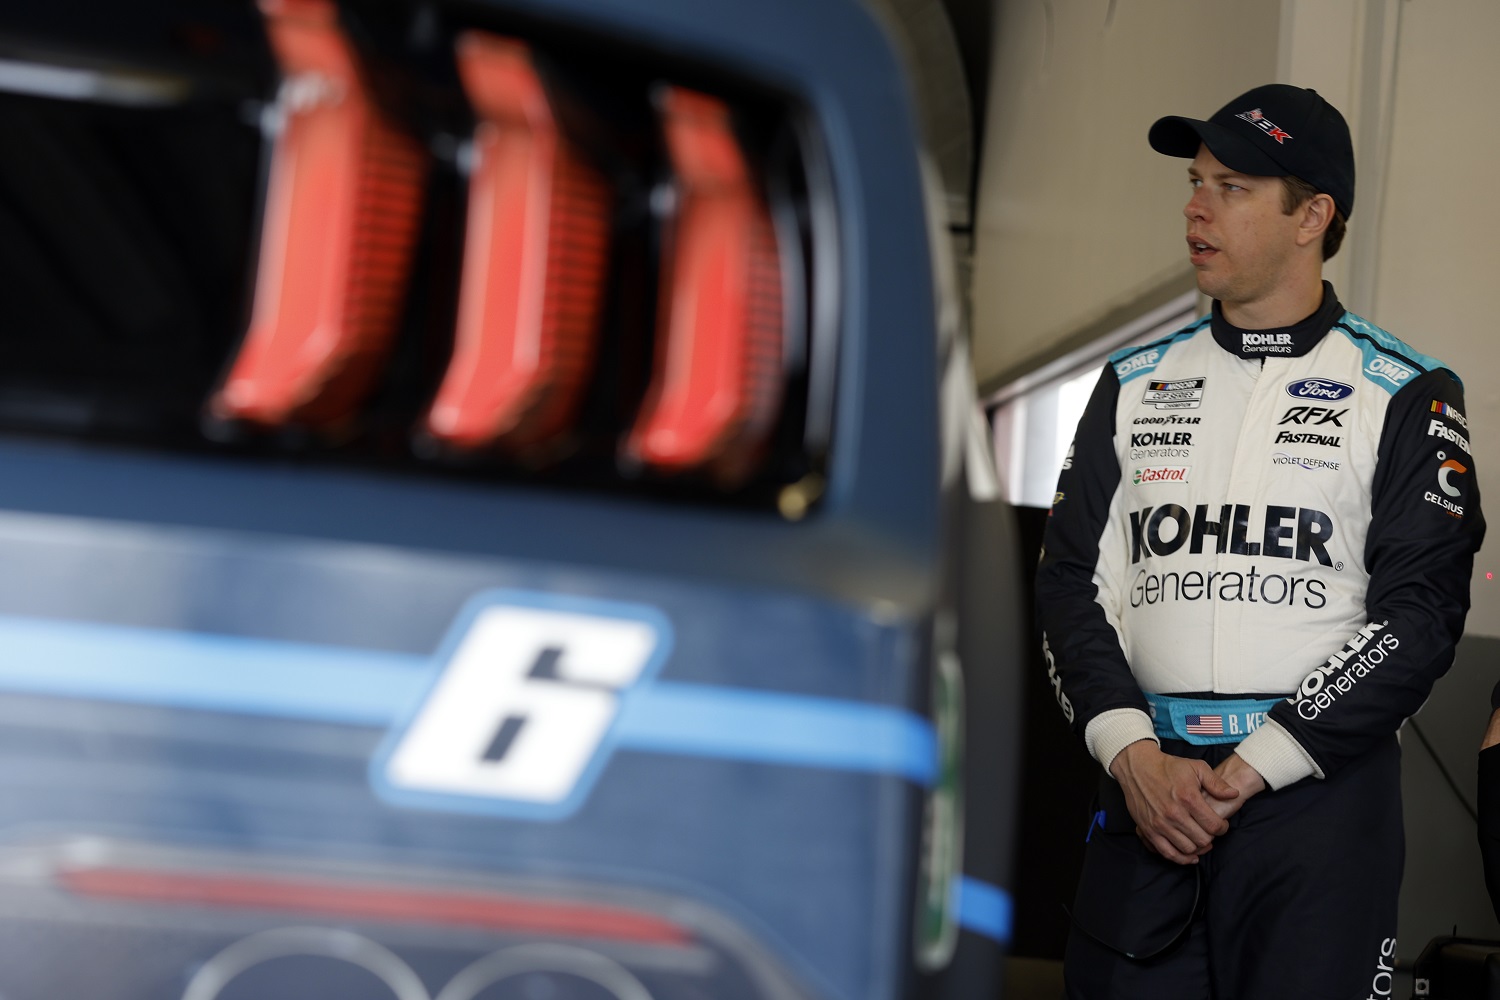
<point x="1137" y="362"/>
<point x="1319" y="388"/>
<point x="1444" y="471"/>
<point x="1445" y="483"/>
<point x="1388" y="369"/>
<point x="1260" y="121"/>
<point x="1162" y="474"/>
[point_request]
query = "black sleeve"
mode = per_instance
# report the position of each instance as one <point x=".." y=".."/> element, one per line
<point x="1085" y="663"/>
<point x="1425" y="526"/>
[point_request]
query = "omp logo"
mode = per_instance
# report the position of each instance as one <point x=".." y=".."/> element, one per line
<point x="1137" y="362"/>
<point x="1436" y="428"/>
<point x="1315" y="415"/>
<point x="1344" y="669"/>
<point x="1388" y="369"/>
<point x="1260" y="121"/>
<point x="1162" y="474"/>
<point x="1285" y="532"/>
<point x="1319" y="388"/>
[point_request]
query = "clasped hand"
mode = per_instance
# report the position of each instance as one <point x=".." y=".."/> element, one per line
<point x="1181" y="805"/>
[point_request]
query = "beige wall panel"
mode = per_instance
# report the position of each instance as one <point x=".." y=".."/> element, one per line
<point x="1439" y="251"/>
<point x="1078" y="215"/>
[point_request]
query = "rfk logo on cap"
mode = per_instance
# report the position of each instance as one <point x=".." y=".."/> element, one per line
<point x="1260" y="121"/>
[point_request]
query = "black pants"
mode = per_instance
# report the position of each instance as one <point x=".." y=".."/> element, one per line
<point x="1297" y="900"/>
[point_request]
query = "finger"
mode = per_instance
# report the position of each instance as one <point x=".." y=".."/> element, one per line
<point x="1190" y="815"/>
<point x="1214" y="783"/>
<point x="1204" y="814"/>
<point x="1187" y="840"/>
<point x="1166" y="850"/>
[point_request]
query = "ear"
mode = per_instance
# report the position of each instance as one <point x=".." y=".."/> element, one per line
<point x="1317" y="213"/>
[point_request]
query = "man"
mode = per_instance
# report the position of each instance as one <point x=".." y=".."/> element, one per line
<point x="1256" y="566"/>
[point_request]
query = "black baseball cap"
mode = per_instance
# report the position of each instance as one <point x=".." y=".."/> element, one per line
<point x="1273" y="131"/>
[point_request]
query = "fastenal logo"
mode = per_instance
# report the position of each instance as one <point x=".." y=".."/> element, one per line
<point x="1319" y="388"/>
<point x="1162" y="474"/>
<point x="1136" y="362"/>
<point x="1389" y="369"/>
<point x="1182" y="394"/>
<point x="1436" y="428"/>
<point x="1324" y="440"/>
<point x="1260" y="121"/>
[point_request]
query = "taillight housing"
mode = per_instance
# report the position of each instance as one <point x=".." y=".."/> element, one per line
<point x="718" y="380"/>
<point x="342" y="207"/>
<point x="534" y="262"/>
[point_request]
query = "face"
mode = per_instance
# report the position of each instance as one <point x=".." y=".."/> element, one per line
<point x="1239" y="240"/>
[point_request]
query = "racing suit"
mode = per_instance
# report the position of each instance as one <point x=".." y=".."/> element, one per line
<point x="1282" y="523"/>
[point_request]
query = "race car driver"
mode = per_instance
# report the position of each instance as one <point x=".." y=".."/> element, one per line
<point x="1256" y="565"/>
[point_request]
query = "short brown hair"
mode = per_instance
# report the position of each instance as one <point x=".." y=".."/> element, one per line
<point x="1295" y="192"/>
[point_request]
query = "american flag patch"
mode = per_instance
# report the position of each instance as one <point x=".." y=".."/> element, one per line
<point x="1204" y="725"/>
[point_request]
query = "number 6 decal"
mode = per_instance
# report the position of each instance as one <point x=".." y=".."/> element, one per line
<point x="519" y="717"/>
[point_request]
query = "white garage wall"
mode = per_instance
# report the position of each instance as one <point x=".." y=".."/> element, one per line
<point x="1078" y="222"/>
<point x="1078" y="217"/>
<point x="1438" y="266"/>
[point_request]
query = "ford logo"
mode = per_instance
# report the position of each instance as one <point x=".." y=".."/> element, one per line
<point x="1318" y="388"/>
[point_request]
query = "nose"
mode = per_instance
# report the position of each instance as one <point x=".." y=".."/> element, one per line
<point x="1196" y="208"/>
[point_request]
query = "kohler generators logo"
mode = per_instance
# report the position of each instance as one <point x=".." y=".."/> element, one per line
<point x="1280" y="532"/>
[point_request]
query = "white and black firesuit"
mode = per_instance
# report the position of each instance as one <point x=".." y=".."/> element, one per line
<point x="1261" y="542"/>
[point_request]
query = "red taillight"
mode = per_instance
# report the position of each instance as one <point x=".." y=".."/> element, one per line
<point x="338" y="900"/>
<point x="535" y="256"/>
<point x="342" y="209"/>
<point x="714" y="398"/>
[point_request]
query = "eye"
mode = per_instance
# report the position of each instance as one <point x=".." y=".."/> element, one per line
<point x="1195" y="182"/>
<point x="1232" y="187"/>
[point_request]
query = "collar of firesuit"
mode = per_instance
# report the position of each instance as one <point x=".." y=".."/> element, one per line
<point x="1284" y="341"/>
